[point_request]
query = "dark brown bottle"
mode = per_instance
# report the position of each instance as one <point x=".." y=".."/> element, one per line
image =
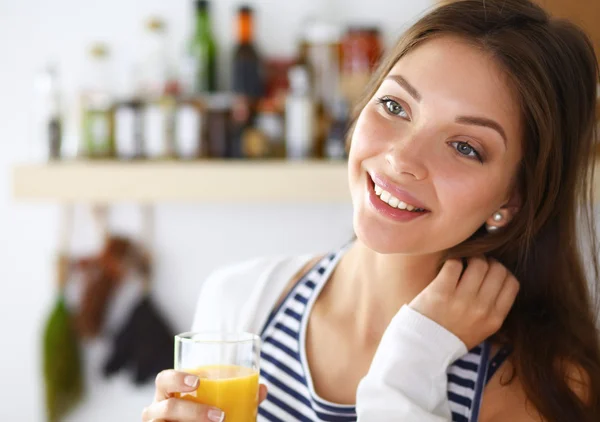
<point x="248" y="84"/>
<point x="247" y="72"/>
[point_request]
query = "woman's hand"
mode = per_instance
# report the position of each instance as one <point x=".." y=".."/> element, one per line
<point x="168" y="408"/>
<point x="474" y="306"/>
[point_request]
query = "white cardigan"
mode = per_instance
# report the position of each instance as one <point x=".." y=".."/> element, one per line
<point x="407" y="378"/>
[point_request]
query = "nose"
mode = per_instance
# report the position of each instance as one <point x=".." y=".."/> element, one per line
<point x="406" y="157"/>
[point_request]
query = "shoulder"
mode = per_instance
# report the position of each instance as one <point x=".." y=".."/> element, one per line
<point x="505" y="397"/>
<point x="239" y="296"/>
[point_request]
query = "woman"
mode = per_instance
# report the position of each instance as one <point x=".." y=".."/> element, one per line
<point x="464" y="296"/>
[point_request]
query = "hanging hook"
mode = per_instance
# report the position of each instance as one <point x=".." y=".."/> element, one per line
<point x="148" y="220"/>
<point x="100" y="214"/>
<point x="64" y="239"/>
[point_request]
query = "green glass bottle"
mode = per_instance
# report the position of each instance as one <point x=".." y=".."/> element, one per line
<point x="203" y="52"/>
<point x="97" y="108"/>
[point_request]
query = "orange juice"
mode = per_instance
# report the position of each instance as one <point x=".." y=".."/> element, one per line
<point x="233" y="389"/>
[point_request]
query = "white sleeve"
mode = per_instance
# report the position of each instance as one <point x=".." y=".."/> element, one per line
<point x="239" y="297"/>
<point x="212" y="307"/>
<point x="407" y="378"/>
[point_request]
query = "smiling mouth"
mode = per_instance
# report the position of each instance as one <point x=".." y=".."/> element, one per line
<point x="393" y="202"/>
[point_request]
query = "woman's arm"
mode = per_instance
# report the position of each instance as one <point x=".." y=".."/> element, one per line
<point x="455" y="313"/>
<point x="407" y="379"/>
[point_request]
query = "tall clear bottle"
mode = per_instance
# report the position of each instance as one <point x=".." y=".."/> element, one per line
<point x="300" y="115"/>
<point x="96" y="105"/>
<point x="48" y="127"/>
<point x="159" y="92"/>
<point x="154" y="72"/>
<point x="129" y="120"/>
<point x="200" y="65"/>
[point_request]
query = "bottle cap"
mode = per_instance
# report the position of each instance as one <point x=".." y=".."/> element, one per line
<point x="299" y="80"/>
<point x="245" y="9"/>
<point x="155" y="24"/>
<point x="99" y="50"/>
<point x="219" y="102"/>
<point x="202" y="4"/>
<point x="321" y="32"/>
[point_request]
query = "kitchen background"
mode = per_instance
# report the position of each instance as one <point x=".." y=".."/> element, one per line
<point x="190" y="240"/>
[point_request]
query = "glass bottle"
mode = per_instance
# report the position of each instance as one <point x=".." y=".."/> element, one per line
<point x="129" y="121"/>
<point x="300" y="115"/>
<point x="97" y="102"/>
<point x="201" y="60"/>
<point x="48" y="116"/>
<point x="247" y="80"/>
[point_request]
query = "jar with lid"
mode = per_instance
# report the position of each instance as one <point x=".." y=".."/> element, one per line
<point x="217" y="133"/>
<point x="361" y="51"/>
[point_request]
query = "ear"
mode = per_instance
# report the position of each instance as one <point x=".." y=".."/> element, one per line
<point x="507" y="212"/>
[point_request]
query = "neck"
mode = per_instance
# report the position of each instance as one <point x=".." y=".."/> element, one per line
<point x="202" y="23"/>
<point x="373" y="287"/>
<point x="245" y="29"/>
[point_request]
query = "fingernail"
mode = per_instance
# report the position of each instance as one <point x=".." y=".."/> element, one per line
<point x="216" y="415"/>
<point x="191" y="381"/>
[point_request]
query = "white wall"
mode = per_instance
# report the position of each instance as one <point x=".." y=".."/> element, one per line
<point x="191" y="239"/>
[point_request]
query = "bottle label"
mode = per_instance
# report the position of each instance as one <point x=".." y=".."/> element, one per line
<point x="299" y="131"/>
<point x="188" y="74"/>
<point x="55" y="137"/>
<point x="335" y="149"/>
<point x="154" y="129"/>
<point x="125" y="132"/>
<point x="100" y="131"/>
<point x="189" y="126"/>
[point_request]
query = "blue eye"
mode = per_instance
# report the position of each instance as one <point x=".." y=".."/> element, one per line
<point x="392" y="107"/>
<point x="465" y="149"/>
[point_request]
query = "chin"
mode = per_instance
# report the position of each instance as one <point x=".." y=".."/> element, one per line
<point x="386" y="239"/>
<point x="381" y="238"/>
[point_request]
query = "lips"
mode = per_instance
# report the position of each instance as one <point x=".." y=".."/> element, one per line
<point x="400" y="194"/>
<point x="384" y="209"/>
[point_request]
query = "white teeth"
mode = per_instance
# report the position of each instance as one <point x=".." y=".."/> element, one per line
<point x="392" y="201"/>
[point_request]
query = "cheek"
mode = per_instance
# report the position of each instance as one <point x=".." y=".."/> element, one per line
<point x="370" y="133"/>
<point x="468" y="198"/>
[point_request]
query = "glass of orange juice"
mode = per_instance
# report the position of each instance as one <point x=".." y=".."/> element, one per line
<point x="228" y="367"/>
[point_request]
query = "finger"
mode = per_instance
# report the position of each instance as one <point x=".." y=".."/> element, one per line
<point x="146" y="415"/>
<point x="262" y="393"/>
<point x="152" y="420"/>
<point x="507" y="296"/>
<point x="471" y="280"/>
<point x="448" y="277"/>
<point x="492" y="284"/>
<point x="171" y="381"/>
<point x="182" y="411"/>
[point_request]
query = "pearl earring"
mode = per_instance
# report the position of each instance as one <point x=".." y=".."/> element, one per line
<point x="497" y="217"/>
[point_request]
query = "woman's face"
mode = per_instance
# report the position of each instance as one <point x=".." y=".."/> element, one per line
<point x="442" y="133"/>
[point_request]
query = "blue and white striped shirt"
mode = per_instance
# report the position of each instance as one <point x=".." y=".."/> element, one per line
<point x="284" y="367"/>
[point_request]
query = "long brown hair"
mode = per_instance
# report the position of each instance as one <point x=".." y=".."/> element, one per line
<point x="553" y="70"/>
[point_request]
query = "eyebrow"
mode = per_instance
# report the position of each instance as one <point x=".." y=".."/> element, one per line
<point x="485" y="122"/>
<point x="467" y="120"/>
<point x="404" y="84"/>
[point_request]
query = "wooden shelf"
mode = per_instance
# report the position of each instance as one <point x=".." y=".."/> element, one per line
<point x="217" y="181"/>
<point x="147" y="182"/>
